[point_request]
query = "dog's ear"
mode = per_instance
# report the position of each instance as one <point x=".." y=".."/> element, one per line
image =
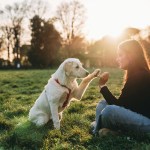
<point x="67" y="68"/>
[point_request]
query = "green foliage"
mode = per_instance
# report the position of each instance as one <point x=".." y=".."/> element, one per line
<point x="103" y="52"/>
<point x="18" y="93"/>
<point x="45" y="43"/>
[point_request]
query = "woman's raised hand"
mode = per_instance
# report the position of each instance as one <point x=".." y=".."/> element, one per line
<point x="103" y="78"/>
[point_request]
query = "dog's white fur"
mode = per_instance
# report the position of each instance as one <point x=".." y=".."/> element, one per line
<point x="49" y="104"/>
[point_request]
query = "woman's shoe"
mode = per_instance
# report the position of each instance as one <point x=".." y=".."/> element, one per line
<point x="105" y="132"/>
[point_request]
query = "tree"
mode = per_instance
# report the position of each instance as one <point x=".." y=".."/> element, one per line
<point x="16" y="23"/>
<point x="70" y="19"/>
<point x="131" y="31"/>
<point x="76" y="48"/>
<point x="45" y="43"/>
<point x="38" y="8"/>
<point x="1" y="44"/>
<point x="8" y="34"/>
<point x="12" y="27"/>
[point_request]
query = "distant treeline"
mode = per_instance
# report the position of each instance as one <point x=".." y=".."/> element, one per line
<point x="51" y="40"/>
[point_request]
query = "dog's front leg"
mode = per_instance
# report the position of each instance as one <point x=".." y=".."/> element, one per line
<point x="79" y="92"/>
<point x="55" y="115"/>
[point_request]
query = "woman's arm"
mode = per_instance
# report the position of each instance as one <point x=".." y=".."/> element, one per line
<point x="134" y="92"/>
<point x="109" y="97"/>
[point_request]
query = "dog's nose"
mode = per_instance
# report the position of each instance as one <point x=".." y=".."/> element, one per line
<point x="87" y="73"/>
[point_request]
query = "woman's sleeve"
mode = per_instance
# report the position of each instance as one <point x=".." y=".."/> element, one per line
<point x="111" y="99"/>
<point x="131" y="94"/>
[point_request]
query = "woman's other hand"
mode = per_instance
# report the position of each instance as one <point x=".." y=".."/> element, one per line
<point x="103" y="79"/>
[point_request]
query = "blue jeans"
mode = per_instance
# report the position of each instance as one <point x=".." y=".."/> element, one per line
<point x="118" y="118"/>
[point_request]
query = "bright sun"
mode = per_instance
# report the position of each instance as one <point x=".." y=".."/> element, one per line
<point x="99" y="30"/>
<point x="115" y="32"/>
<point x="105" y="17"/>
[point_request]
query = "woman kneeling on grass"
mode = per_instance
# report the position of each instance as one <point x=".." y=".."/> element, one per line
<point x="131" y="111"/>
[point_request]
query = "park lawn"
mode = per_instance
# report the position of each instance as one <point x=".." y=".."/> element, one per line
<point x="18" y="91"/>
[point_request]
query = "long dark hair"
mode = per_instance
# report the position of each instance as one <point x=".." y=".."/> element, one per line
<point x="137" y="53"/>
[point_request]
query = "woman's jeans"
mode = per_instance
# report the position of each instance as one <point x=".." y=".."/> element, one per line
<point x="118" y="118"/>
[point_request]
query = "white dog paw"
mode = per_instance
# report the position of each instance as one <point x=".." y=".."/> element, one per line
<point x="57" y="125"/>
<point x="40" y="123"/>
<point x="96" y="73"/>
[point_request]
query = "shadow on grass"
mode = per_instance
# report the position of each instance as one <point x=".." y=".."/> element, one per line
<point x="27" y="136"/>
<point x="5" y="124"/>
<point x="116" y="142"/>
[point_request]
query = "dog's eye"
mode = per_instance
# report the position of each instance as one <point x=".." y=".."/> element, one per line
<point x="77" y="67"/>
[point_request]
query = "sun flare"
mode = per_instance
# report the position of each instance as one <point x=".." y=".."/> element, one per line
<point x="99" y="29"/>
<point x="112" y="17"/>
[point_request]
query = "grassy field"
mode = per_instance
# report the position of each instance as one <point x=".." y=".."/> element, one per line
<point x="18" y="91"/>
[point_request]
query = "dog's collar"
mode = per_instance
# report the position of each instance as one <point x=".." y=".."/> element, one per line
<point x="68" y="95"/>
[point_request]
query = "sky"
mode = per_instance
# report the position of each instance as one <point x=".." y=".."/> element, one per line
<point x="108" y="17"/>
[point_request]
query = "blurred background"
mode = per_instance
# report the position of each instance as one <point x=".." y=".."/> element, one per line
<point x="42" y="33"/>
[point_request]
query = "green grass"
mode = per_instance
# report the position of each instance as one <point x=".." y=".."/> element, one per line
<point x="18" y="91"/>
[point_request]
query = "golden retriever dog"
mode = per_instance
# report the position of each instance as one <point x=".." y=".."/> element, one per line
<point x="61" y="88"/>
